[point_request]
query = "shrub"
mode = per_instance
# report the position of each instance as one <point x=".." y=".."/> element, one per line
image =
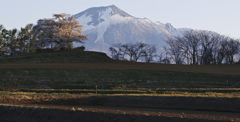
<point x="82" y="48"/>
<point x="44" y="50"/>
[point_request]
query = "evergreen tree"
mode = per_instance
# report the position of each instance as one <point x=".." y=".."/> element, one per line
<point x="2" y="40"/>
<point x="24" y="38"/>
<point x="11" y="38"/>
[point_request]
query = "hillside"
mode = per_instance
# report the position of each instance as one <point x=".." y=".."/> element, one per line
<point x="83" y="69"/>
<point x="95" y="86"/>
<point x="71" y="56"/>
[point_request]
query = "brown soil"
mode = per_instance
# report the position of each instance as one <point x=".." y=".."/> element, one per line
<point x="213" y="69"/>
<point x="116" y="108"/>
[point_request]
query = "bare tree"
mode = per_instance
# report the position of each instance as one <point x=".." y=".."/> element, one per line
<point x="232" y="49"/>
<point x="149" y="53"/>
<point x="163" y="58"/>
<point x="238" y="54"/>
<point x="209" y="43"/>
<point x="222" y="50"/>
<point x="175" y="51"/>
<point x="134" y="51"/>
<point x="117" y="52"/>
<point x="190" y="44"/>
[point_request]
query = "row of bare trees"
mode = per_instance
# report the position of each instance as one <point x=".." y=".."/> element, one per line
<point x="193" y="48"/>
<point x="55" y="33"/>
<point x="202" y="48"/>
<point x="134" y="52"/>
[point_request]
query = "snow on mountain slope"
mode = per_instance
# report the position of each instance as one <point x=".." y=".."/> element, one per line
<point x="109" y="25"/>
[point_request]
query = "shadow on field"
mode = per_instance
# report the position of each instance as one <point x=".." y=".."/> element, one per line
<point x="156" y="102"/>
<point x="24" y="114"/>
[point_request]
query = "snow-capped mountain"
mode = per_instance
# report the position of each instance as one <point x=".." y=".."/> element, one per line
<point x="110" y="25"/>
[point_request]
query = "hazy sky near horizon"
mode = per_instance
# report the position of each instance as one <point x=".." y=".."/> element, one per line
<point x="222" y="16"/>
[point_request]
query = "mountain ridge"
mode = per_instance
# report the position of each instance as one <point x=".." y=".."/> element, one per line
<point x="108" y="25"/>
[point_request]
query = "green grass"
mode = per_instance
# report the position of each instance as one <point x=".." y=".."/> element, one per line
<point x="71" y="56"/>
<point x="75" y="78"/>
<point x="109" y="81"/>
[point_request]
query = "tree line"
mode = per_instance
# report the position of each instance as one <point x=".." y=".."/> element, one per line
<point x="53" y="33"/>
<point x="192" y="48"/>
<point x="15" y="42"/>
<point x="58" y="33"/>
<point x="203" y="48"/>
<point x="134" y="52"/>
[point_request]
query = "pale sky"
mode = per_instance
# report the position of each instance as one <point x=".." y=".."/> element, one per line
<point x="222" y="16"/>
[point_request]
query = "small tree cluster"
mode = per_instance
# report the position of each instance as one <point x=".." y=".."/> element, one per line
<point x="15" y="42"/>
<point x="202" y="48"/>
<point x="133" y="52"/>
<point x="55" y="33"/>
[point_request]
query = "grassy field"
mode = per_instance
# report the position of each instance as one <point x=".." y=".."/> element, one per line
<point x="68" y="56"/>
<point x="74" y="78"/>
<point x="93" y="84"/>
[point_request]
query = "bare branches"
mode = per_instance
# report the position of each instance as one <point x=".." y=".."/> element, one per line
<point x="133" y="52"/>
<point x="175" y="52"/>
<point x="149" y="53"/>
<point x="202" y="48"/>
<point x="117" y="52"/>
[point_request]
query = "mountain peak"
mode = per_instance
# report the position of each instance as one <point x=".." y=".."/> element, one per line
<point x="108" y="25"/>
<point x="96" y="11"/>
<point x="112" y="6"/>
<point x="116" y="10"/>
<point x="96" y="15"/>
